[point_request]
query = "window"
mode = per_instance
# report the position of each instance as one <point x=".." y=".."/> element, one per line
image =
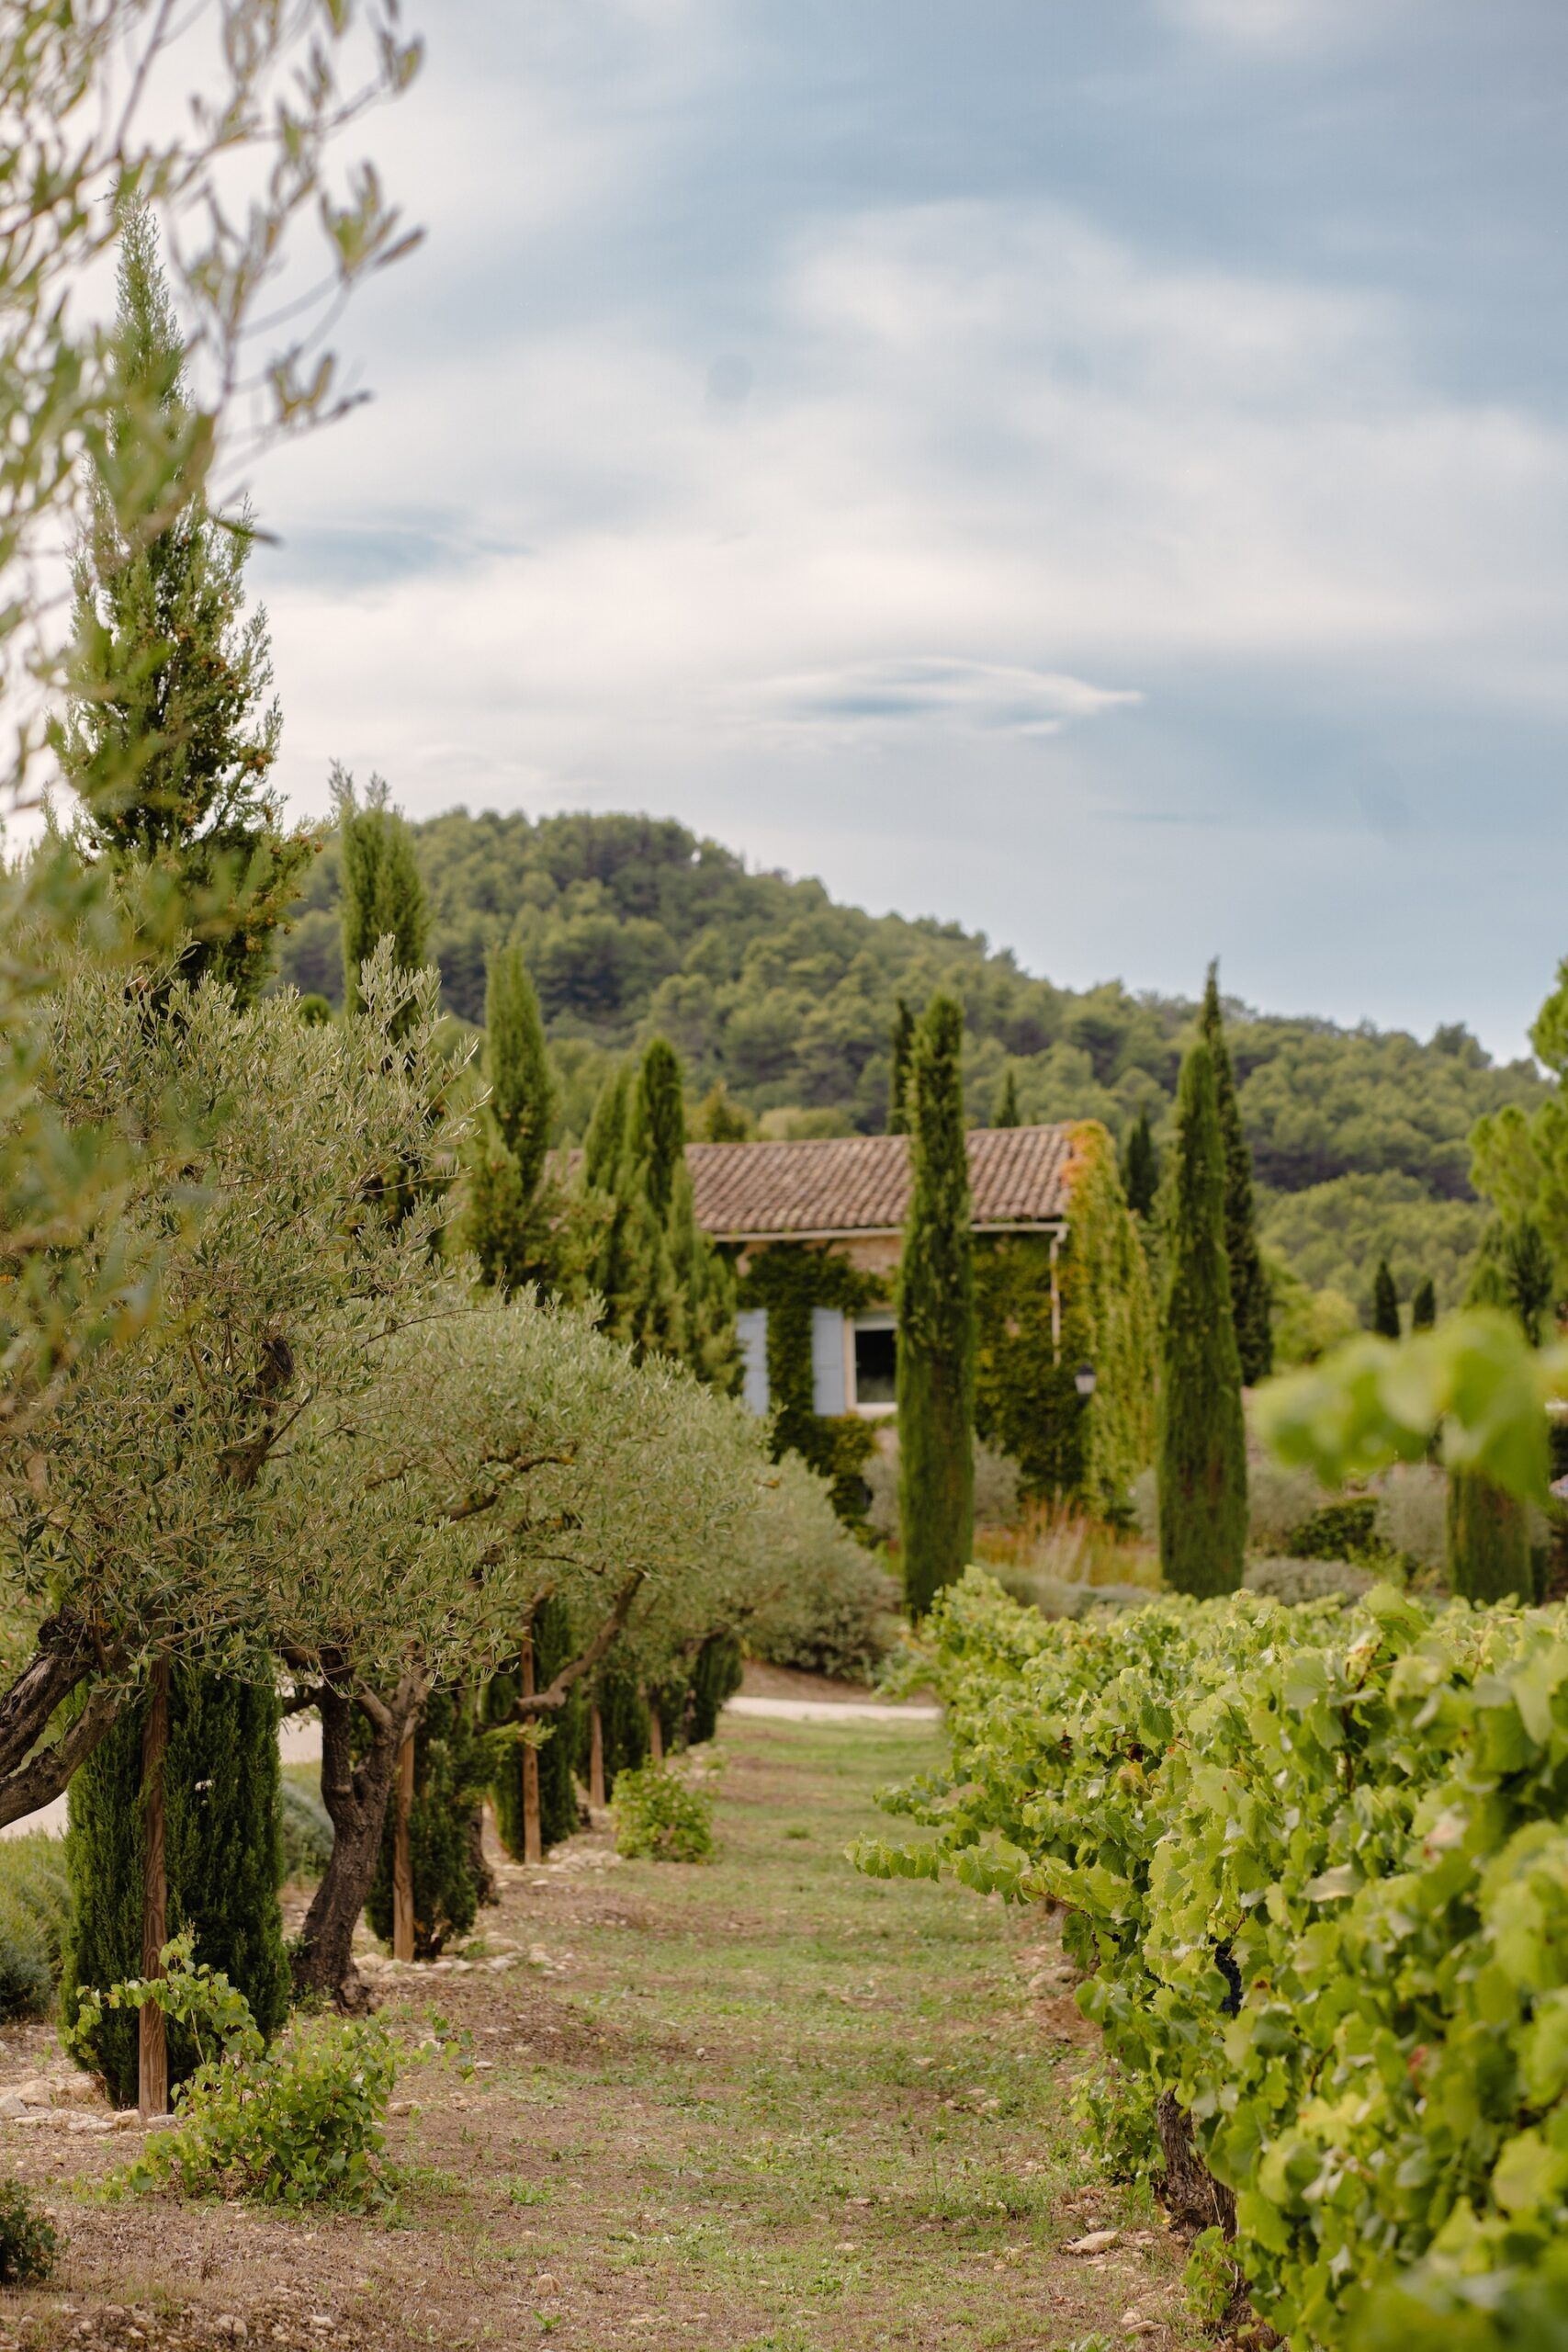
<point x="876" y="1364"/>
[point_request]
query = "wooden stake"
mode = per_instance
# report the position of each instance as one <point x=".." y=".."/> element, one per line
<point x="533" y="1831"/>
<point x="655" y="1734"/>
<point x="596" y="1760"/>
<point x="402" y="1854"/>
<point x="152" y="2045"/>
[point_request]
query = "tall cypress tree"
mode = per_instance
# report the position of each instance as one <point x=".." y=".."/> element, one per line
<point x="172" y="679"/>
<point x="1139" y="1167"/>
<point x="1202" y="1437"/>
<point x="1006" y="1112"/>
<point x="508" y="1158"/>
<point x="1488" y="1529"/>
<point x="1385" y="1302"/>
<point x="1248" y="1277"/>
<point x="903" y="1045"/>
<point x="1424" y="1306"/>
<point x="222" y="1800"/>
<point x="382" y="894"/>
<point x="658" y="1132"/>
<point x="936" y="1318"/>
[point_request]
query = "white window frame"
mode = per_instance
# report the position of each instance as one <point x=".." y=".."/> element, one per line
<point x="878" y="1319"/>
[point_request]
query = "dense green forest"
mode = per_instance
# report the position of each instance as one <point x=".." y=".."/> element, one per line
<point x="632" y="925"/>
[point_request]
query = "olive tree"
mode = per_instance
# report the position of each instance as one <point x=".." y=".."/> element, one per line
<point x="135" y="1525"/>
<point x="540" y="1462"/>
<point x="107" y="105"/>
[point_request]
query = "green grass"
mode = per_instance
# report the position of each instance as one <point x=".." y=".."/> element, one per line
<point x="787" y="2105"/>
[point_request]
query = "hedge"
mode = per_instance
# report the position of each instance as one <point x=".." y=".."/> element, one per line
<point x="1315" y="1867"/>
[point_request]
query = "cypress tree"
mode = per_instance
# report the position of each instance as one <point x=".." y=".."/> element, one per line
<point x="221" y="1797"/>
<point x="1248" y="1278"/>
<point x="1424" y="1306"/>
<point x="450" y="1879"/>
<point x="382" y="894"/>
<point x="658" y="1131"/>
<point x="936" y="1318"/>
<point x="508" y="1159"/>
<point x="706" y="1281"/>
<point x="1006" y="1112"/>
<point x="522" y="1093"/>
<point x="1488" y="1529"/>
<point x="561" y="1755"/>
<point x="172" y="681"/>
<point x="1385" y="1302"/>
<point x="903" y="1044"/>
<point x="1203" y="1438"/>
<point x="1140" y="1168"/>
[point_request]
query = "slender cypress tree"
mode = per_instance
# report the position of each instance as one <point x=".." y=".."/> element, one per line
<point x="522" y="1092"/>
<point x="1385" y="1302"/>
<point x="1250" y="1303"/>
<point x="706" y="1281"/>
<point x="382" y="894"/>
<point x="903" y="1044"/>
<point x="1140" y="1168"/>
<point x="1424" y="1306"/>
<point x="658" y="1133"/>
<point x="508" y="1158"/>
<point x="936" y="1318"/>
<point x="172" y="681"/>
<point x="1203" y="1438"/>
<point x="222" y="1800"/>
<point x="1488" y="1529"/>
<point x="1006" y="1112"/>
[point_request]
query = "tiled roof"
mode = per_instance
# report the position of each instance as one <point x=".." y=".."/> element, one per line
<point x="860" y="1183"/>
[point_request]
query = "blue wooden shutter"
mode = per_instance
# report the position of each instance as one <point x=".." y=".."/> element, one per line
<point x="752" y="1330"/>
<point x="827" y="1360"/>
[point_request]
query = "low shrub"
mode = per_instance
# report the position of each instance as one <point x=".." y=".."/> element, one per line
<point x="1413" y="1517"/>
<point x="1346" y="1530"/>
<point x="1294" y="1581"/>
<point x="836" y="1616"/>
<point x="306" y="1832"/>
<point x="1316" y="1871"/>
<point x="661" y="1814"/>
<point x="30" y="2243"/>
<point x="35" y="1898"/>
<point x="300" y="2123"/>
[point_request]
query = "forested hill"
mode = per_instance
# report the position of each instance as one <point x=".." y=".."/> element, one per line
<point x="632" y="925"/>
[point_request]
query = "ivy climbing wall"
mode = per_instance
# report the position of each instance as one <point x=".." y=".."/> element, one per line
<point x="1026" y="1403"/>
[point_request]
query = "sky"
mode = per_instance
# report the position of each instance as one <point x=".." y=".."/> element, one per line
<point x="1094" y="470"/>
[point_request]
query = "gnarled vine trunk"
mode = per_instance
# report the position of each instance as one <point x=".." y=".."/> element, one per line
<point x="356" y="1796"/>
<point x="1190" y="2192"/>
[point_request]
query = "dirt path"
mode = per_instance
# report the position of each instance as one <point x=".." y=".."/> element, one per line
<point x="769" y="2106"/>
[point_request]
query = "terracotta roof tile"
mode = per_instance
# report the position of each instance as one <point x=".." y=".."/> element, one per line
<point x="860" y="1183"/>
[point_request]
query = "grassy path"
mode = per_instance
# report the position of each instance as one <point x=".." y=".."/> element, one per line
<point x="769" y="2106"/>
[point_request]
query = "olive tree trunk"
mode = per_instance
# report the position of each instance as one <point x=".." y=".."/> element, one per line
<point x="356" y="1796"/>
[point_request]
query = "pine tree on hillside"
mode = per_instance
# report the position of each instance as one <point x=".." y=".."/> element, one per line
<point x="1203" y="1438"/>
<point x="1424" y="1306"/>
<point x="382" y="894"/>
<point x="936" y="1318"/>
<point x="1006" y="1112"/>
<point x="1140" y="1168"/>
<point x="903" y="1044"/>
<point x="172" y="679"/>
<point x="1385" y="1302"/>
<point x="222" y="1808"/>
<point x="1250" y="1304"/>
